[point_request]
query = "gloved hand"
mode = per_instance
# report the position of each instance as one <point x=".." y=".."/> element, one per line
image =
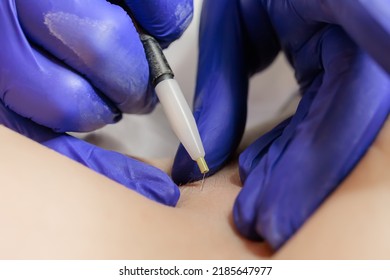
<point x="335" y="48"/>
<point x="144" y="179"/>
<point x="76" y="66"/>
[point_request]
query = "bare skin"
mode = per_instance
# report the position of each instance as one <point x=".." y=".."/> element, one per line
<point x="58" y="209"/>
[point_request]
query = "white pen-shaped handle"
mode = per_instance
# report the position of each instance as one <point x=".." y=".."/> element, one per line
<point x="171" y="98"/>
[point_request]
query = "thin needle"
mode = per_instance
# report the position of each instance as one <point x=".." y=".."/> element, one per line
<point x="201" y="187"/>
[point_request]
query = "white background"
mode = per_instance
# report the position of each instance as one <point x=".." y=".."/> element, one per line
<point x="108" y="270"/>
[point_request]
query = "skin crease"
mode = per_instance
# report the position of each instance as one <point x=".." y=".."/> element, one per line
<point x="107" y="221"/>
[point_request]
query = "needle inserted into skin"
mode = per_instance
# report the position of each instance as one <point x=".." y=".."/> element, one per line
<point x="202" y="185"/>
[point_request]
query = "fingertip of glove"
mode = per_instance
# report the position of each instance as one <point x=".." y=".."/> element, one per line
<point x="244" y="222"/>
<point x="176" y="31"/>
<point x="165" y="19"/>
<point x="145" y="179"/>
<point x="162" y="190"/>
<point x="256" y="224"/>
<point x="184" y="169"/>
<point x="151" y="182"/>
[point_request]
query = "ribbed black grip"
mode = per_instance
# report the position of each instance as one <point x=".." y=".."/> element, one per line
<point x="158" y="65"/>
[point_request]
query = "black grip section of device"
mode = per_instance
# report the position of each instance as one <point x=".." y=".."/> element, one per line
<point x="158" y="65"/>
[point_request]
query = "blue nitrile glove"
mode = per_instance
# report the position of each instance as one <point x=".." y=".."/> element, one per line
<point x="144" y="179"/>
<point x="76" y="66"/>
<point x="334" y="47"/>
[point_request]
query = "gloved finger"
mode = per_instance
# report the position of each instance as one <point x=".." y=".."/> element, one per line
<point x="367" y="22"/>
<point x="338" y="118"/>
<point x="250" y="158"/>
<point x="144" y="179"/>
<point x="138" y="176"/>
<point x="229" y="54"/>
<point x="99" y="41"/>
<point x="42" y="89"/>
<point x="222" y="82"/>
<point x="24" y="126"/>
<point x="166" y="20"/>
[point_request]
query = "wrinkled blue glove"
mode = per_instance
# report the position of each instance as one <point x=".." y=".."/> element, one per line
<point x="340" y="53"/>
<point x="78" y="65"/>
<point x="144" y="179"/>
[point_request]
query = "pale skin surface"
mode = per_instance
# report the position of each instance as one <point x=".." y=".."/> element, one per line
<point x="52" y="207"/>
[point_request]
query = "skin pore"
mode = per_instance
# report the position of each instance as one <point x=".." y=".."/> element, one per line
<point x="54" y="208"/>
